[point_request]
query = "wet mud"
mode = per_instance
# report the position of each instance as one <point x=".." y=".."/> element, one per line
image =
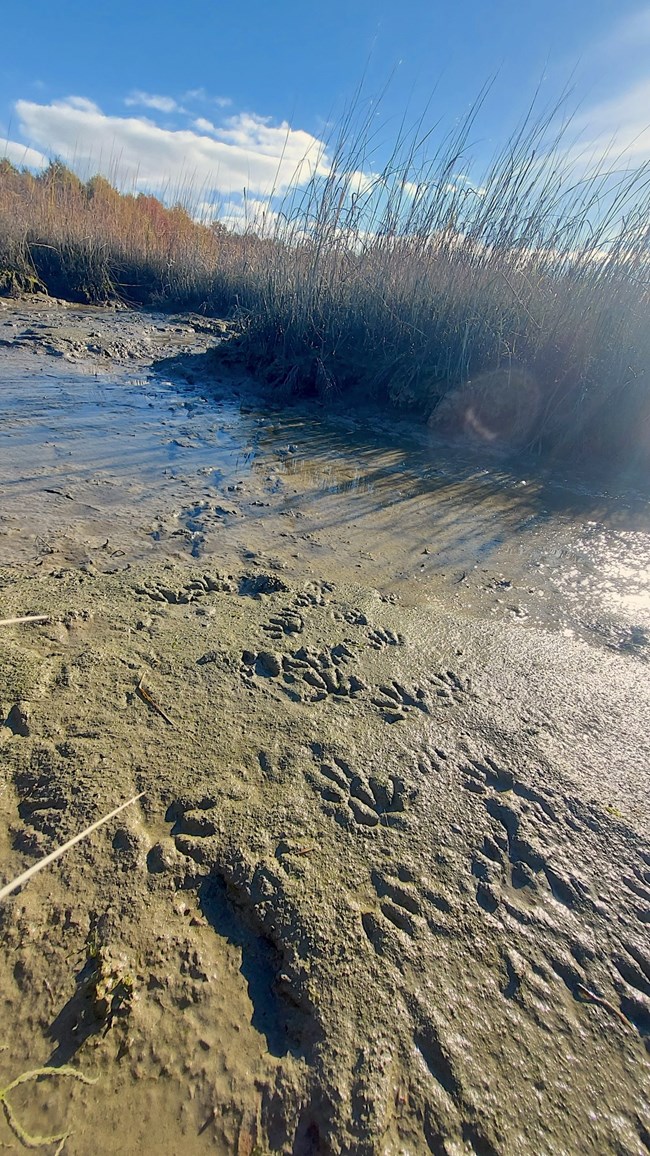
<point x="387" y="888"/>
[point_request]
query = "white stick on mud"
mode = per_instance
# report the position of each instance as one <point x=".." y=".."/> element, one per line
<point x="25" y="618"/>
<point x="59" y="851"/>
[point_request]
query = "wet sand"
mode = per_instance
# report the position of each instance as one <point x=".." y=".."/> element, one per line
<point x="388" y="887"/>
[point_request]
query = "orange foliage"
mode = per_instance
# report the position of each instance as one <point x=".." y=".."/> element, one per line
<point x="105" y="240"/>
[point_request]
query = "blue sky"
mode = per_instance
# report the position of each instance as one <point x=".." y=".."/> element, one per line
<point x="233" y="96"/>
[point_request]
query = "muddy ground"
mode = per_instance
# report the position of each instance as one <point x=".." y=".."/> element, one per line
<point x="387" y="886"/>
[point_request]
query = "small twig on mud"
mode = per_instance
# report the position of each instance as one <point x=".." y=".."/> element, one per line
<point x="591" y="997"/>
<point x="25" y="618"/>
<point x="146" y="697"/>
<point x="305" y="850"/>
<point x="4" y="891"/>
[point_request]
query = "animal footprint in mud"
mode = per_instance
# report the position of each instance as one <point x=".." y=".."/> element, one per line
<point x="519" y="858"/>
<point x="637" y="883"/>
<point x="286" y="621"/>
<point x="632" y="983"/>
<point x="398" y="900"/>
<point x="314" y="594"/>
<point x="358" y="802"/>
<point x="313" y="675"/>
<point x="42" y="816"/>
<point x="190" y="592"/>
<point x="256" y="585"/>
<point x="511" y="856"/>
<point x="351" y="616"/>
<point x="449" y="687"/>
<point x="396" y="701"/>
<point x="43" y="791"/>
<point x="431" y="761"/>
<point x="379" y="638"/>
<point x="194" y="826"/>
<point x="406" y="905"/>
<point x="486" y="773"/>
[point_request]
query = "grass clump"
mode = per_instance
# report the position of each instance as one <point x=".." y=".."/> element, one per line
<point x="515" y="309"/>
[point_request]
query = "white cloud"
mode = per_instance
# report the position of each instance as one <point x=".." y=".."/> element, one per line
<point x="360" y="183"/>
<point x="193" y="94"/>
<point x="413" y="188"/>
<point x="200" y="94"/>
<point x="205" y="212"/>
<point x="295" y="147"/>
<point x="140" y="99"/>
<point x="161" y="103"/>
<point x="462" y="185"/>
<point x="20" y="155"/>
<point x="240" y="216"/>
<point x="616" y="130"/>
<point x="247" y="152"/>
<point x="81" y="103"/>
<point x="204" y="125"/>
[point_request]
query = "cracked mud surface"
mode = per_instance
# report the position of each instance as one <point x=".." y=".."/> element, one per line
<point x="387" y="890"/>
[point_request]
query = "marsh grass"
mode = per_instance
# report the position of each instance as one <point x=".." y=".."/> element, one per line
<point x="87" y="242"/>
<point x="513" y="307"/>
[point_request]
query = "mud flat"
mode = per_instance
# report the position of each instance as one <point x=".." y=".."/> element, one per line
<point x="387" y="889"/>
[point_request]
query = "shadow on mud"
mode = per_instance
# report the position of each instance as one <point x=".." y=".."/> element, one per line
<point x="102" y="995"/>
<point x="273" y="1017"/>
<point x="469" y="471"/>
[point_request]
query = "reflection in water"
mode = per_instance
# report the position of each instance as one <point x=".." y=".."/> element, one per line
<point x="614" y="566"/>
<point x="124" y="427"/>
<point x="471" y="515"/>
<point x="330" y="478"/>
<point x="374" y="489"/>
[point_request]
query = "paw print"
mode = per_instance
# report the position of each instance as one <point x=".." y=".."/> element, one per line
<point x="314" y="594"/>
<point x="396" y="701"/>
<point x="405" y="903"/>
<point x="316" y="674"/>
<point x="359" y="802"/>
<point x="449" y="687"/>
<point x="286" y="621"/>
<point x="379" y="638"/>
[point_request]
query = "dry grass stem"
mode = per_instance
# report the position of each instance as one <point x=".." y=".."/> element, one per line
<point x="151" y="702"/>
<point x="16" y="883"/>
<point x="25" y="618"/>
<point x="590" y="997"/>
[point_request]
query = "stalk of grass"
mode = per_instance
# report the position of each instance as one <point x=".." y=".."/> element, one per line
<point x="407" y="284"/>
<point x="54" y="855"/>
